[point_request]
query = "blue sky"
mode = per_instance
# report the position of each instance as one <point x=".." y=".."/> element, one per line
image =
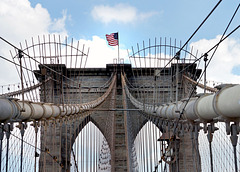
<point x="135" y="20"/>
<point x="176" y="19"/>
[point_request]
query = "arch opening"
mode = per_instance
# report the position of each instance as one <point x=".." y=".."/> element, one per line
<point x="90" y="150"/>
<point x="149" y="148"/>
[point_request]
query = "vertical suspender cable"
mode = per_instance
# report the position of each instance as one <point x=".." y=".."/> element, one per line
<point x="83" y="145"/>
<point x="146" y="145"/>
<point x="60" y="146"/>
<point x="50" y="147"/>
<point x="94" y="148"/>
<point x="82" y="139"/>
<point x="196" y="147"/>
<point x="154" y="146"/>
<point x="66" y="144"/>
<point x="98" y="151"/>
<point x="74" y="136"/>
<point x="92" y="145"/>
<point x="44" y="143"/>
<point x="22" y="129"/>
<point x="210" y="137"/>
<point x="1" y="142"/>
<point x="193" y="154"/>
<point x="36" y="154"/>
<point x="54" y="148"/>
<point x="143" y="150"/>
<point x="78" y="139"/>
<point x="234" y="140"/>
<point x="87" y="146"/>
<point x="161" y="148"/>
<point x="8" y="130"/>
<point x="151" y="146"/>
<point x="183" y="148"/>
<point x="70" y="142"/>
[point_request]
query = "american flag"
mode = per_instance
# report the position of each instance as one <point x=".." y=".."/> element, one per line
<point x="112" y="39"/>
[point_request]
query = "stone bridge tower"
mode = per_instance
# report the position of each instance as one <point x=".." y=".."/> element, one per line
<point x="118" y="125"/>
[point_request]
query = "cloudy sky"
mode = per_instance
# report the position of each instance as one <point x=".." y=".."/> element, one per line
<point x="135" y="20"/>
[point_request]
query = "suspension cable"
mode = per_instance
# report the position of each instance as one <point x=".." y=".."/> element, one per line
<point x="178" y="53"/>
<point x="216" y="45"/>
<point x="38" y="61"/>
<point x="2" y="128"/>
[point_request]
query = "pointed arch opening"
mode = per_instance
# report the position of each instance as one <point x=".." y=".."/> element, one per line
<point x="90" y="150"/>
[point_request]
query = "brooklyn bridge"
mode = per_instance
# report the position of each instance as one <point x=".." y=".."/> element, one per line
<point x="154" y="113"/>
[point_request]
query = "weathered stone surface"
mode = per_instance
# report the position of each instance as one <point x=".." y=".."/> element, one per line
<point x="115" y="125"/>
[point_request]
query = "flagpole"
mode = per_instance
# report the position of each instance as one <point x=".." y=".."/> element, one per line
<point x="118" y="49"/>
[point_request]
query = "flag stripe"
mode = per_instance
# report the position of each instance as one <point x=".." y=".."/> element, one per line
<point x="112" y="39"/>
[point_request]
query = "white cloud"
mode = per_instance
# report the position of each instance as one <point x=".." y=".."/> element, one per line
<point x="20" y="21"/>
<point x="58" y="25"/>
<point x="121" y="13"/>
<point x="226" y="57"/>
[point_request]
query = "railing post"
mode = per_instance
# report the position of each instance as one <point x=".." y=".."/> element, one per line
<point x="205" y="71"/>
<point x="177" y="57"/>
<point x="20" y="55"/>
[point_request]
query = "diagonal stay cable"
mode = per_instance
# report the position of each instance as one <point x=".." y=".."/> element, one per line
<point x="211" y="48"/>
<point x="2" y="127"/>
<point x="201" y="24"/>
<point x="4" y="58"/>
<point x="37" y="61"/>
<point x="220" y="41"/>
<point x="177" y="55"/>
<point x="223" y="34"/>
<point x="215" y="49"/>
